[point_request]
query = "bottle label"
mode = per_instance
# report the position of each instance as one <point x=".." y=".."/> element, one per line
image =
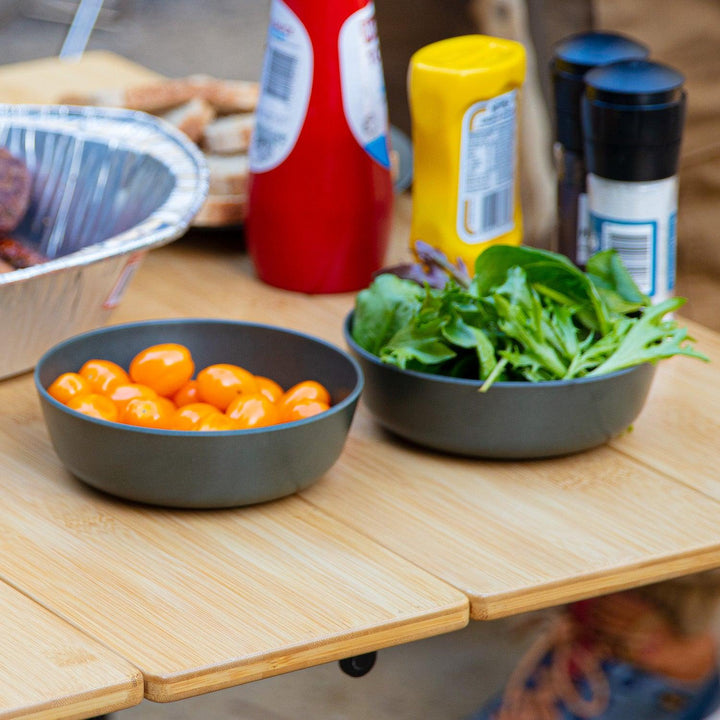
<point x="285" y="86"/>
<point x="637" y="219"/>
<point x="486" y="187"/>
<point x="363" y="86"/>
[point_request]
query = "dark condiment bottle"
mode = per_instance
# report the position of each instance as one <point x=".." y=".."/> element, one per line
<point x="633" y="115"/>
<point x="573" y="57"/>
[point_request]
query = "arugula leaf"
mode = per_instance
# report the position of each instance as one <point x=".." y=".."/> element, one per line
<point x="650" y="339"/>
<point x="414" y="344"/>
<point x="527" y="314"/>
<point x="518" y="324"/>
<point x="458" y="332"/>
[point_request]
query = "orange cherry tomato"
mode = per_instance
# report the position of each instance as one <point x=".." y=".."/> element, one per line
<point x="220" y="384"/>
<point x="187" y="394"/>
<point x="122" y="393"/>
<point x="148" y="412"/>
<point x="94" y="405"/>
<point x="269" y="388"/>
<point x="302" y="409"/>
<point x="103" y="374"/>
<point x="302" y="391"/>
<point x="68" y="385"/>
<point x="216" y="421"/>
<point x="189" y="417"/>
<point x="165" y="368"/>
<point x="252" y="410"/>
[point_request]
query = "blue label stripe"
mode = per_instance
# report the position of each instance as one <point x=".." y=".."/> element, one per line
<point x="378" y="150"/>
<point x="672" y="250"/>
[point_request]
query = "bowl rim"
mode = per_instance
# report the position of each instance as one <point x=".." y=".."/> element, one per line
<point x="351" y="398"/>
<point x="500" y="384"/>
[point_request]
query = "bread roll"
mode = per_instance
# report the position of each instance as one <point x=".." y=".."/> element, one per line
<point x="192" y="117"/>
<point x="229" y="134"/>
<point x="226" y="96"/>
<point x="220" y="210"/>
<point x="228" y="174"/>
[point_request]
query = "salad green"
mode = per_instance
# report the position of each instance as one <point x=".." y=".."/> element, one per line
<point x="526" y="314"/>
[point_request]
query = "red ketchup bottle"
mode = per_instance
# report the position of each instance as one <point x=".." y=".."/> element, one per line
<point x="320" y="197"/>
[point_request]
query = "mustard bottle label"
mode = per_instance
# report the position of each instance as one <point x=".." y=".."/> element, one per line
<point x="486" y="185"/>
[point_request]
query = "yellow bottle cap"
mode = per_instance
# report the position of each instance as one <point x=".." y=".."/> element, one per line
<point x="472" y="55"/>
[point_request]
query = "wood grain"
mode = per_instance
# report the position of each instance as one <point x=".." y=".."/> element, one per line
<point x="521" y="536"/>
<point x="201" y="600"/>
<point x="197" y="601"/>
<point x="680" y="431"/>
<point x="513" y="536"/>
<point x="51" y="671"/>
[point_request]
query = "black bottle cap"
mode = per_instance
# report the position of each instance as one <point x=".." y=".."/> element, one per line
<point x="633" y="114"/>
<point x="573" y="57"/>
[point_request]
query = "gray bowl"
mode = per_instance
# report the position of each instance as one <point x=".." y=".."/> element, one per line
<point x="204" y="470"/>
<point x="512" y="420"/>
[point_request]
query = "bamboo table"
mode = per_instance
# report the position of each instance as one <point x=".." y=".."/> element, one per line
<point x="50" y="670"/>
<point x="512" y="536"/>
<point x="197" y="601"/>
<point x="394" y="543"/>
<point x="517" y="537"/>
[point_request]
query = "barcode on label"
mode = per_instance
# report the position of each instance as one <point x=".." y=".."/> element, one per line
<point x="496" y="210"/>
<point x="635" y="246"/>
<point x="281" y="71"/>
<point x="265" y="141"/>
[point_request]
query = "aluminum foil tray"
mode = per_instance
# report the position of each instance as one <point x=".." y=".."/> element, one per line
<point x="108" y="185"/>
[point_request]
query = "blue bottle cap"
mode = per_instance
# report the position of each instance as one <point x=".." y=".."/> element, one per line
<point x="635" y="82"/>
<point x="573" y="57"/>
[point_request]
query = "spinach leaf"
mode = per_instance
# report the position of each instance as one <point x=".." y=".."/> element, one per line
<point x="382" y="309"/>
<point x="614" y="283"/>
<point x="554" y="272"/>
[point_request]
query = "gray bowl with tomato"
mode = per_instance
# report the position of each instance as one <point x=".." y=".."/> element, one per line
<point x="204" y="469"/>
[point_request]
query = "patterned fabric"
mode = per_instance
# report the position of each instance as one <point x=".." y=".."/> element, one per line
<point x="562" y="677"/>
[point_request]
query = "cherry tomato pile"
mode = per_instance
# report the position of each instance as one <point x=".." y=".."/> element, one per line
<point x="160" y="390"/>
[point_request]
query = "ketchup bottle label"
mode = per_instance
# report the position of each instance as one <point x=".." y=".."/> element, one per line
<point x="286" y="82"/>
<point x="363" y="85"/>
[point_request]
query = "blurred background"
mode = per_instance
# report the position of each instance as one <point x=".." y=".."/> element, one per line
<point x="226" y="38"/>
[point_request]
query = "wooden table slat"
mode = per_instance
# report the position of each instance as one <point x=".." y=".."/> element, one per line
<point x="50" y="670"/>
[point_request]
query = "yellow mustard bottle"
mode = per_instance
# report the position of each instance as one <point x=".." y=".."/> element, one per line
<point x="464" y="95"/>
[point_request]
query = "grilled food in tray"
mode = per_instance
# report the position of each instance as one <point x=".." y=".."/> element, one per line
<point x="15" y="184"/>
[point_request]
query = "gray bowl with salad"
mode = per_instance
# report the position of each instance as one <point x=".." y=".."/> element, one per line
<point x="530" y="357"/>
